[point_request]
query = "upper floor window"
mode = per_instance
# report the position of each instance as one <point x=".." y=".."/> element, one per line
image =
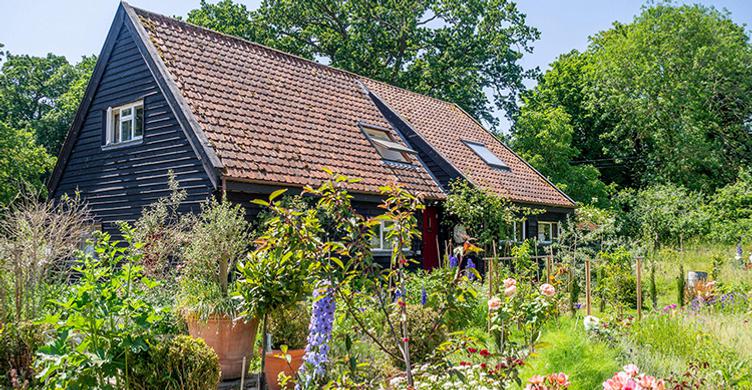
<point x="382" y="140"/>
<point x="486" y="155"/>
<point x="548" y="231"/>
<point x="125" y="123"/>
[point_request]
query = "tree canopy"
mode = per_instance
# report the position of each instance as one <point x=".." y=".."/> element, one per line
<point x="666" y="98"/>
<point x="453" y="50"/>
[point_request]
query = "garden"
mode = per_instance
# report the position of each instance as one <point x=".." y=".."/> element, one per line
<point x="652" y="296"/>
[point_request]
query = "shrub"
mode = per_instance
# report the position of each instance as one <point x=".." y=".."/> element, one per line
<point x="100" y="321"/>
<point x="216" y="242"/>
<point x="18" y="343"/>
<point x="289" y="326"/>
<point x="180" y="363"/>
<point x="423" y="338"/>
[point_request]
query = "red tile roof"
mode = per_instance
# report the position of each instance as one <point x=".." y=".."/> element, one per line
<point x="445" y="126"/>
<point x="273" y="118"/>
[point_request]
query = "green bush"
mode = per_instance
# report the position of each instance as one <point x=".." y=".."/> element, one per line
<point x="289" y="326"/>
<point x="181" y="363"/>
<point x="423" y="340"/>
<point x="18" y="342"/>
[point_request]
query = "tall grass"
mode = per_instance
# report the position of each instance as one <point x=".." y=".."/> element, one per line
<point x="565" y="347"/>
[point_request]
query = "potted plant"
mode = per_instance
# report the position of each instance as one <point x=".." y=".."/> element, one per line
<point x="217" y="240"/>
<point x="288" y="328"/>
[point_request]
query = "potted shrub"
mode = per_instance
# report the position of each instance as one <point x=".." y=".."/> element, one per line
<point x="217" y="240"/>
<point x="288" y="328"/>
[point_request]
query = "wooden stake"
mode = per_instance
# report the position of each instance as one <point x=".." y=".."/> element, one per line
<point x="587" y="285"/>
<point x="639" y="287"/>
<point x="438" y="251"/>
<point x="549" y="265"/>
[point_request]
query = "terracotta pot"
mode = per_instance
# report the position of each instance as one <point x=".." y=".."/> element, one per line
<point x="274" y="365"/>
<point x="230" y="341"/>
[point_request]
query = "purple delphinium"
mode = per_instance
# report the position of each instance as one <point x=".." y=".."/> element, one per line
<point x="469" y="267"/>
<point x="316" y="355"/>
<point x="453" y="262"/>
<point x="423" y="296"/>
<point x="397" y="294"/>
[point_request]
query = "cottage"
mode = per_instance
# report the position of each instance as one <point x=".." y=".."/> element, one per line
<point x="229" y="115"/>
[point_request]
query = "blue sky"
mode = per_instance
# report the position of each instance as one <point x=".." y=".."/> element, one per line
<point x="78" y="27"/>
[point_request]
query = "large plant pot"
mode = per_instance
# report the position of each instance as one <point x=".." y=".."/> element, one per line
<point x="230" y="341"/>
<point x="274" y="365"/>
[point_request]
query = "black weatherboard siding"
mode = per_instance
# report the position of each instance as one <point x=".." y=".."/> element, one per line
<point x="118" y="182"/>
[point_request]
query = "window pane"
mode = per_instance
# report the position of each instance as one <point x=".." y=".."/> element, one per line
<point x="116" y="128"/>
<point x="376" y="239"/>
<point x="125" y="130"/>
<point x="138" y="129"/>
<point x="555" y="230"/>
<point x="486" y="155"/>
<point x="126" y="112"/>
<point x="378" y="134"/>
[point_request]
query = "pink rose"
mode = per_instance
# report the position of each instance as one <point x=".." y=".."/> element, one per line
<point x="494" y="304"/>
<point x="509" y="282"/>
<point x="536" y="380"/>
<point x="560" y="379"/>
<point x="631" y="370"/>
<point x="547" y="290"/>
<point x="510" y="291"/>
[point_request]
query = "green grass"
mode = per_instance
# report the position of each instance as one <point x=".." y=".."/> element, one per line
<point x="566" y="348"/>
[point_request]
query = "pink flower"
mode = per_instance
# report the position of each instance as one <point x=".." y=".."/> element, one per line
<point x="494" y="304"/>
<point x="510" y="291"/>
<point x="631" y="370"/>
<point x="547" y="290"/>
<point x="536" y="380"/>
<point x="509" y="282"/>
<point x="560" y="379"/>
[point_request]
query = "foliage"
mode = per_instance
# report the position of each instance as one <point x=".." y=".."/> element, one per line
<point x="23" y="162"/>
<point x="289" y="326"/>
<point x="731" y="209"/>
<point x="18" y="344"/>
<point x="176" y="363"/>
<point x="424" y="336"/>
<point x="163" y="230"/>
<point x="36" y="241"/>
<point x="486" y="216"/>
<point x="451" y="50"/>
<point x="662" y="214"/>
<point x="216" y="242"/>
<point x="101" y="322"/>
<point x="662" y="99"/>
<point x="543" y="137"/>
<point x="42" y="94"/>
<point x="616" y="284"/>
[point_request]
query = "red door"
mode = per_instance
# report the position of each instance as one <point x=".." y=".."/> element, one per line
<point x="430" y="238"/>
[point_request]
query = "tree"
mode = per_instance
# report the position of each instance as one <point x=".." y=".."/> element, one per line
<point x="42" y="94"/>
<point x="544" y="139"/>
<point x="666" y="98"/>
<point x="451" y="50"/>
<point x="22" y="162"/>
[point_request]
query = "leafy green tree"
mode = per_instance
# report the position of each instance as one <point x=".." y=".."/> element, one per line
<point x="663" y="99"/>
<point x="22" y="162"/>
<point x="42" y="94"/>
<point x="447" y="49"/>
<point x="544" y="138"/>
<point x="731" y="209"/>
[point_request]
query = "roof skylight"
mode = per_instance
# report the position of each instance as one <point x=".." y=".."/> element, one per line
<point x="486" y="155"/>
<point x="385" y="144"/>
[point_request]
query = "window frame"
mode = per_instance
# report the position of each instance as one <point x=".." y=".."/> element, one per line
<point x="554" y="230"/>
<point x="523" y="228"/>
<point x="115" y="127"/>
<point x="384" y="244"/>
<point x="387" y="144"/>
<point x="500" y="165"/>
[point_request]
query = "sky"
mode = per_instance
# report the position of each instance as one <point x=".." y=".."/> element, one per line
<point x="75" y="28"/>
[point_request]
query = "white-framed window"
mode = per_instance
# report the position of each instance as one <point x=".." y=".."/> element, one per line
<point x="125" y="123"/>
<point x="385" y="144"/>
<point x="518" y="231"/>
<point x="548" y="231"/>
<point x="380" y="241"/>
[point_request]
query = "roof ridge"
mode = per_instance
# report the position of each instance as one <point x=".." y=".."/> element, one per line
<point x="284" y="53"/>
